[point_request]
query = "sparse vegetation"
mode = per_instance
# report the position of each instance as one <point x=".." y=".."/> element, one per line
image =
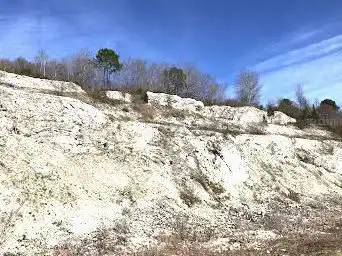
<point x="189" y="197"/>
<point x="103" y="241"/>
<point x="216" y="188"/>
<point x="96" y="96"/>
<point x="210" y="186"/>
<point x="257" y="129"/>
<point x="294" y="196"/>
<point x="336" y="130"/>
<point x="146" y="112"/>
<point x="184" y="242"/>
<point x="169" y="112"/>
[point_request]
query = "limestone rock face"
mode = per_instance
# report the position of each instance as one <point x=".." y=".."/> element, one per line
<point x="174" y="101"/>
<point x="69" y="170"/>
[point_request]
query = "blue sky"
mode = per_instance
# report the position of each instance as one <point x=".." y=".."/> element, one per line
<point x="286" y="41"/>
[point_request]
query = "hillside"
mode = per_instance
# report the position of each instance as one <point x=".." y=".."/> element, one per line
<point x="82" y="175"/>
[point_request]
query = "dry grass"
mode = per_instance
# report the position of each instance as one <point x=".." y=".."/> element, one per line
<point x="146" y="111"/>
<point x="104" y="242"/>
<point x="322" y="237"/>
<point x="172" y="249"/>
<point x="258" y="129"/>
<point x="169" y="112"/>
<point x="188" y="197"/>
<point x="337" y="131"/>
<point x="296" y="245"/>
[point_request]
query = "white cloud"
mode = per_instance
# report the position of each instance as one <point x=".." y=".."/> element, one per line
<point x="26" y="35"/>
<point x="315" y="50"/>
<point x="304" y="36"/>
<point x="321" y="77"/>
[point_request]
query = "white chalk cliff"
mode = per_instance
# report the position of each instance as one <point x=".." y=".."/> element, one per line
<point x="71" y="166"/>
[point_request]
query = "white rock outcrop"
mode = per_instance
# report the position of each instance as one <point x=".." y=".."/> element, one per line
<point x="26" y="82"/>
<point x="174" y="101"/>
<point x="119" y="96"/>
<point x="69" y="169"/>
<point x="246" y="115"/>
<point x="280" y="118"/>
<point x="241" y="114"/>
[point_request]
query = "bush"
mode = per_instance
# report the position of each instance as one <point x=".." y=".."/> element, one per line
<point x="270" y="110"/>
<point x="188" y="197"/>
<point x="301" y="124"/>
<point x="288" y="107"/>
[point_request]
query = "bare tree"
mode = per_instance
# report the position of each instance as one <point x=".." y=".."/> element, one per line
<point x="154" y="76"/>
<point x="137" y="73"/>
<point x="196" y="82"/>
<point x="68" y="68"/>
<point x="83" y="70"/>
<point x="134" y="73"/>
<point x="300" y="97"/>
<point x="140" y="74"/>
<point x="174" y="80"/>
<point x="51" y="69"/>
<point x="6" y="65"/>
<point x="316" y="103"/>
<point x="139" y="68"/>
<point x="248" y="88"/>
<point x="202" y="86"/>
<point x="41" y="60"/>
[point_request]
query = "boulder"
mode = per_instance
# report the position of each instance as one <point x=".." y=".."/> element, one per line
<point x="174" y="101"/>
<point x="280" y="118"/>
<point x="120" y="96"/>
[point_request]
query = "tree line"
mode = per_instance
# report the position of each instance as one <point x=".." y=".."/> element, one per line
<point x="106" y="71"/>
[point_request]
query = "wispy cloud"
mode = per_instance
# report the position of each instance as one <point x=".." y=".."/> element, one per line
<point x="318" y="67"/>
<point x="304" y="54"/>
<point x="301" y="37"/>
<point x="24" y="36"/>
